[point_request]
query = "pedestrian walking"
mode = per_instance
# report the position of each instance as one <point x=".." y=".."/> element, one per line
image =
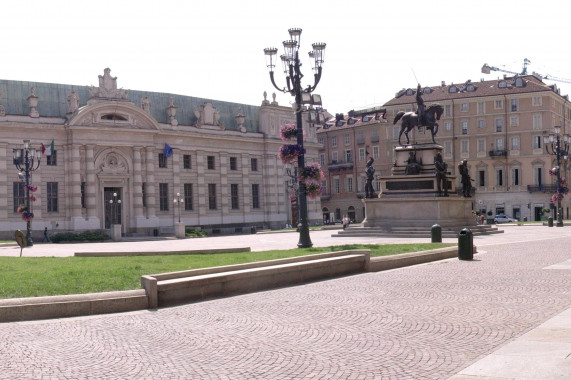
<point x="46" y="237"/>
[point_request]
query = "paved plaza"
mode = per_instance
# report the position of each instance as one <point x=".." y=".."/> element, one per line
<point x="447" y="319"/>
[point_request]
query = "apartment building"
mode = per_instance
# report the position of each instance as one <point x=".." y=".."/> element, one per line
<point x="497" y="125"/>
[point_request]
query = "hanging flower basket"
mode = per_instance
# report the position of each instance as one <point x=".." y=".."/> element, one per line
<point x="289" y="153"/>
<point x="27" y="216"/>
<point x="31" y="188"/>
<point x="311" y="174"/>
<point x="21" y="209"/>
<point x="313" y="190"/>
<point x="288" y="132"/>
<point x="556" y="197"/>
<point x="33" y="198"/>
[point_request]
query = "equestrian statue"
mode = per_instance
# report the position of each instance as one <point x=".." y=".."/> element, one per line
<point x="423" y="118"/>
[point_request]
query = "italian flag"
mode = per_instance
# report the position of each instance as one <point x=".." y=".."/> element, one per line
<point x="49" y="150"/>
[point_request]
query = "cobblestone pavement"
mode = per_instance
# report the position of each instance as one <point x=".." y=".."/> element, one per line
<point x="422" y="322"/>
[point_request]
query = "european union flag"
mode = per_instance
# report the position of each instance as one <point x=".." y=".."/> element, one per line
<point x="168" y="150"/>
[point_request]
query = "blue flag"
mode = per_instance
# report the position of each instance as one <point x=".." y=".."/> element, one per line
<point x="168" y="150"/>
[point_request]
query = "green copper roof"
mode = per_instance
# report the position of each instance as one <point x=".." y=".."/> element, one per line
<point x="53" y="103"/>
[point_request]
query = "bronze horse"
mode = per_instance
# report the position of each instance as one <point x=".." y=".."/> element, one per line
<point x="410" y="120"/>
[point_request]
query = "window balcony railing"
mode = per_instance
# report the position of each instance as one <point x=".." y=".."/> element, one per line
<point x="542" y="188"/>
<point x="498" y="153"/>
<point x="340" y="165"/>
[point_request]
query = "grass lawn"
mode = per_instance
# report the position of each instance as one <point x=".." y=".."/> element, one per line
<point x="44" y="276"/>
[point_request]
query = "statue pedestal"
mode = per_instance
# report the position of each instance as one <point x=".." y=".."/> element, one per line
<point x="116" y="232"/>
<point x="179" y="232"/>
<point x="421" y="211"/>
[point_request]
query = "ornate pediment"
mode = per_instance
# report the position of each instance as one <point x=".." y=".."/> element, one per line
<point x="113" y="164"/>
<point x="208" y="116"/>
<point x="114" y="115"/>
<point x="107" y="89"/>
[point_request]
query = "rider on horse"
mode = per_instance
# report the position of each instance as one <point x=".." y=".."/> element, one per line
<point x="421" y="107"/>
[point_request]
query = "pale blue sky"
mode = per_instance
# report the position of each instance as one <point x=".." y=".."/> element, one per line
<point x="214" y="49"/>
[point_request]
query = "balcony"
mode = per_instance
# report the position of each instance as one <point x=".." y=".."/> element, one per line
<point x="360" y="140"/>
<point x="325" y="197"/>
<point x="340" y="165"/>
<point x="542" y="188"/>
<point x="498" y="153"/>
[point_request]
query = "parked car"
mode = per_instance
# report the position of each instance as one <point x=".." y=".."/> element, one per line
<point x="501" y="218"/>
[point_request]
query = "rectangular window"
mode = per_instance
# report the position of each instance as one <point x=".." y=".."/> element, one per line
<point x="481" y="145"/>
<point x="536" y="100"/>
<point x="500" y="143"/>
<point x="349" y="184"/>
<point x="164" y="196"/>
<point x="254" y="164"/>
<point x="374" y="135"/>
<point x="447" y="147"/>
<point x="481" y="123"/>
<point x="514" y="105"/>
<point x="499" y="125"/>
<point x="464" y="107"/>
<point x="514" y="121"/>
<point x="212" y="196"/>
<point x="375" y="152"/>
<point x="348" y="156"/>
<point x="481" y="108"/>
<point x="144" y="193"/>
<point x="515" y="177"/>
<point x="186" y="161"/>
<point x="337" y="185"/>
<point x="499" y="177"/>
<point x="347" y="139"/>
<point x="361" y="154"/>
<point x="188" y="201"/>
<point x="52" y="196"/>
<point x="210" y="163"/>
<point x="162" y="161"/>
<point x="464" y="146"/>
<point x="234" y="196"/>
<point x="447" y="110"/>
<point x="321" y="140"/>
<point x="499" y="104"/>
<point x="537" y="124"/>
<point x="334" y="141"/>
<point x="465" y="127"/>
<point x="538" y="176"/>
<point x="19" y="195"/>
<point x="515" y="143"/>
<point x="255" y="195"/>
<point x="83" y="195"/>
<point x="233" y="163"/>
<point x="536" y="142"/>
<point x="448" y="126"/>
<point x="51" y="160"/>
<point x="396" y="131"/>
<point x="482" y="178"/>
<point x="334" y="157"/>
<point x="322" y="159"/>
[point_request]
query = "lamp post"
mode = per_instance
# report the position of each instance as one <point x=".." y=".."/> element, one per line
<point x="27" y="161"/>
<point x="291" y="69"/>
<point x="177" y="202"/>
<point x="558" y="146"/>
<point x="294" y="186"/>
<point x="115" y="204"/>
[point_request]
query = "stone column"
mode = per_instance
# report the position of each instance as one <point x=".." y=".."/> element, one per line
<point x="75" y="183"/>
<point x="91" y="188"/>
<point x="150" y="182"/>
<point x="7" y="172"/>
<point x="137" y="184"/>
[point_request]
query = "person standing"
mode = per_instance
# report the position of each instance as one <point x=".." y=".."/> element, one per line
<point x="46" y="237"/>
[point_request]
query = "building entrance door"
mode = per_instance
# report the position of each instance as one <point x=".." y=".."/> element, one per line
<point x="538" y="213"/>
<point x="112" y="199"/>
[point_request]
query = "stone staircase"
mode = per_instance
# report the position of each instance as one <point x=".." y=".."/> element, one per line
<point x="413" y="232"/>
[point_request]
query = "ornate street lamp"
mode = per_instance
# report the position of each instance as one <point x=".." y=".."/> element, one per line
<point x="558" y="146"/>
<point x="178" y="202"/>
<point x="291" y="67"/>
<point x="115" y="204"/>
<point x="27" y="161"/>
<point x="293" y="186"/>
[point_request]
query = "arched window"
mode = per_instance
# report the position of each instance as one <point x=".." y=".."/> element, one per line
<point x="113" y="116"/>
<point x="502" y="84"/>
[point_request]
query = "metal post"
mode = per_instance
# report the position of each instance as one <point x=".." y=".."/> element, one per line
<point x="29" y="240"/>
<point x="558" y="155"/>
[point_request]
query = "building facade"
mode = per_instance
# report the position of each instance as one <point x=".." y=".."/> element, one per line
<point x="144" y="148"/>
<point x="496" y="125"/>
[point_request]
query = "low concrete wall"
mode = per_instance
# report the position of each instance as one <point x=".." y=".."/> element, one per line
<point x="163" y="253"/>
<point x="406" y="259"/>
<point x="26" y="309"/>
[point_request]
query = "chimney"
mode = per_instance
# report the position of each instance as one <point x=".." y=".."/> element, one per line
<point x="443" y="84"/>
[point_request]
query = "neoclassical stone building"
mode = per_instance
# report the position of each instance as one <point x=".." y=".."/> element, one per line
<point x="110" y="141"/>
